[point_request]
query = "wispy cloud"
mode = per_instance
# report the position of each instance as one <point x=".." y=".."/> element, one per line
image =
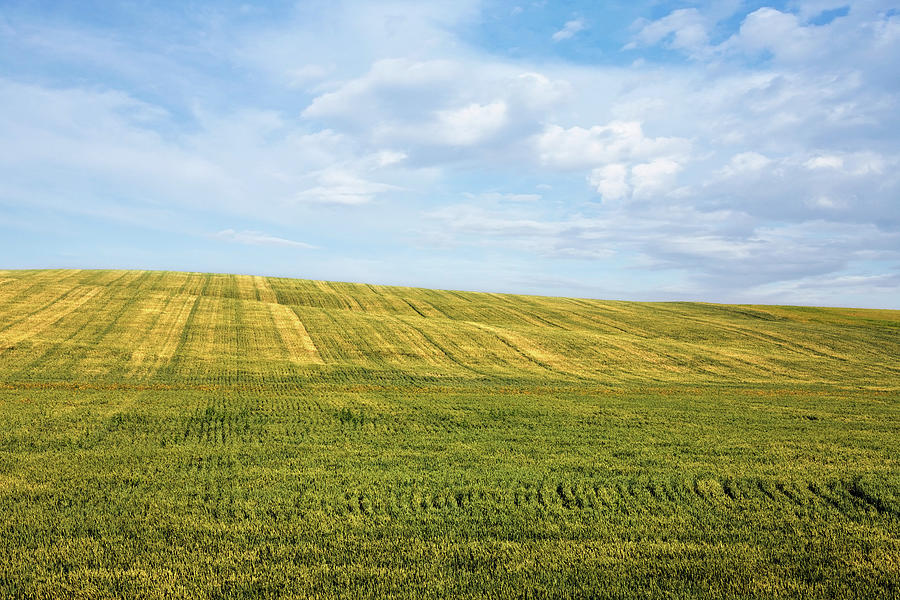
<point x="569" y="30"/>
<point x="342" y="187"/>
<point x="258" y="238"/>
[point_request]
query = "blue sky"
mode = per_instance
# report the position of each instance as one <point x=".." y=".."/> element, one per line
<point x="720" y="151"/>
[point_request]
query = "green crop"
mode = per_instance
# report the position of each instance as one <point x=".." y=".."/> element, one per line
<point x="186" y="435"/>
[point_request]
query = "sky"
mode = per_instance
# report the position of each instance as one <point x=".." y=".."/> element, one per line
<point x="726" y="151"/>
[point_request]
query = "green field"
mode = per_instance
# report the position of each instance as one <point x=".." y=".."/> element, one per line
<point x="185" y="435"/>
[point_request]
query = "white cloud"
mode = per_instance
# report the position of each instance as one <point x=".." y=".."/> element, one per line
<point x="745" y="162"/>
<point x="532" y="92"/>
<point x="258" y="238"/>
<point x="432" y="108"/>
<point x="385" y="158"/>
<point x="350" y="35"/>
<point x="390" y="86"/>
<point x="569" y="30"/>
<point x="866" y="39"/>
<point x="683" y="29"/>
<point x="579" y="147"/>
<point x="767" y="29"/>
<point x="853" y="289"/>
<point x="624" y="162"/>
<point x="824" y="162"/>
<point x="611" y="181"/>
<point x="654" y="177"/>
<point x="470" y="124"/>
<point x="341" y="187"/>
<point x="718" y="248"/>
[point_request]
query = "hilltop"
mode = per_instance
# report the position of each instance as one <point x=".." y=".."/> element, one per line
<point x="142" y="326"/>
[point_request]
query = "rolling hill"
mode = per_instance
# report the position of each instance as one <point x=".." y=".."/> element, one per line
<point x="164" y="327"/>
<point x="205" y="435"/>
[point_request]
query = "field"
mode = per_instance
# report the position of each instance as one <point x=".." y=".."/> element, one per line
<point x="186" y="435"/>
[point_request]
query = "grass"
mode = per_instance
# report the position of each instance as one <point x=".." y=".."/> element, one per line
<point x="185" y="435"/>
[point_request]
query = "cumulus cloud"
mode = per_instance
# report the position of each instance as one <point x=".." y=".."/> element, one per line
<point x="611" y="181"/>
<point x="771" y="30"/>
<point x="579" y="147"/>
<point x="656" y="176"/>
<point x="424" y="106"/>
<point x="624" y="162"/>
<point x="470" y="124"/>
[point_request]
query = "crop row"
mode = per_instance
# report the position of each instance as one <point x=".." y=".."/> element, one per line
<point x="846" y="498"/>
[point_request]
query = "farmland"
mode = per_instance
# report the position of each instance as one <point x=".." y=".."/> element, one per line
<point x="187" y="435"/>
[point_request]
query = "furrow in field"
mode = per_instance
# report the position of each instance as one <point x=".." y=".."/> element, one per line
<point x="78" y="343"/>
<point x="588" y="317"/>
<point x="259" y="343"/>
<point x="357" y="297"/>
<point x="324" y="332"/>
<point x="411" y="344"/>
<point x="111" y="278"/>
<point x="378" y="346"/>
<point x="142" y="326"/>
<point x="534" y="311"/>
<point x="197" y="351"/>
<point x="486" y="347"/>
<point x="31" y="294"/>
<point x="331" y="297"/>
<point x="294" y="335"/>
<point x="387" y="302"/>
<point x="783" y="343"/>
<point x="530" y="350"/>
<point x="511" y="306"/>
<point x="621" y="319"/>
<point x="158" y="345"/>
<point x="617" y="357"/>
<point x="220" y="285"/>
<point x="264" y="291"/>
<point x="295" y="292"/>
<point x="428" y="309"/>
<point x="191" y="284"/>
<point x="45" y="317"/>
<point x="739" y="359"/>
<point x="443" y="345"/>
<point x="402" y="346"/>
<point x="381" y="300"/>
<point x="246" y="287"/>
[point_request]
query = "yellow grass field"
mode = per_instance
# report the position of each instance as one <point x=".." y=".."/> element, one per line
<point x="188" y="435"/>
